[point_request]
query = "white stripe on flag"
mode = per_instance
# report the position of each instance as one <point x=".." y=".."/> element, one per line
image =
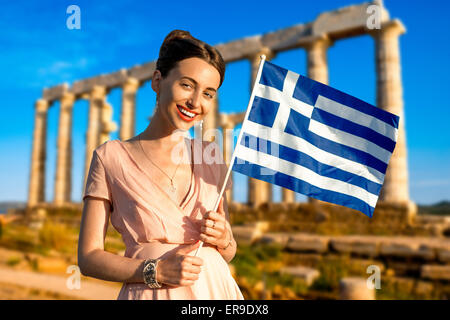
<point x="276" y="95"/>
<point x="282" y="115"/>
<point x="349" y="139"/>
<point x="304" y="146"/>
<point x="305" y="174"/>
<point x="357" y="117"/>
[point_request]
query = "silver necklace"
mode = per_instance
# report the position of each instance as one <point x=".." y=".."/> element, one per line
<point x="172" y="187"/>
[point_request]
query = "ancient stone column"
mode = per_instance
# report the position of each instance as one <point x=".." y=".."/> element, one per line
<point x="36" y="192"/>
<point x="317" y="59"/>
<point x="63" y="177"/>
<point x="106" y="124"/>
<point x="128" y="113"/>
<point x="227" y="129"/>
<point x="96" y="101"/>
<point x="317" y="70"/>
<point x="390" y="98"/>
<point x="211" y="121"/>
<point x="258" y="191"/>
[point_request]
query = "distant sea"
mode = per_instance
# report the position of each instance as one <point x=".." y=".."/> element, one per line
<point x="4" y="206"/>
<point x="440" y="208"/>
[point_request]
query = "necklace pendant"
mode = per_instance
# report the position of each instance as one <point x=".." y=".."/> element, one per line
<point x="172" y="188"/>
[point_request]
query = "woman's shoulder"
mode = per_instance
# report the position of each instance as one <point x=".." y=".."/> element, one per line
<point x="107" y="148"/>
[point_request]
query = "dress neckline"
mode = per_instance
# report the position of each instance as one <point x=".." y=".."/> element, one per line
<point x="181" y="206"/>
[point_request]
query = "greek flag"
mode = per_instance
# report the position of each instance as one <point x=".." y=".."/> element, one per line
<point x="308" y="137"/>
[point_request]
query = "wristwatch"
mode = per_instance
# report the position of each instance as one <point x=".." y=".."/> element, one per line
<point x="149" y="273"/>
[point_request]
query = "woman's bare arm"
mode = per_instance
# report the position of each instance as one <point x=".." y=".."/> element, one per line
<point x="93" y="260"/>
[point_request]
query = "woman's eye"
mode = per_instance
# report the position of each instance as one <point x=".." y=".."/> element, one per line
<point x="209" y="95"/>
<point x="186" y="85"/>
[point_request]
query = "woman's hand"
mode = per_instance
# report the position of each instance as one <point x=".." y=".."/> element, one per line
<point x="179" y="269"/>
<point x="214" y="228"/>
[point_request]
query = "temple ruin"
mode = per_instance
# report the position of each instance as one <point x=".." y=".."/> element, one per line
<point x="315" y="37"/>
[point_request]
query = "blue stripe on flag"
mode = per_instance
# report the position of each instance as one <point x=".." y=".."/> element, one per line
<point x="263" y="111"/>
<point x="298" y="125"/>
<point x="273" y="76"/>
<point x="306" y="161"/>
<point x="297" y="185"/>
<point x="331" y="120"/>
<point x="307" y="90"/>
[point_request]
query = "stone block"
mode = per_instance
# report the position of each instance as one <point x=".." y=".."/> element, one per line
<point x="435" y="272"/>
<point x="443" y="254"/>
<point x="308" y="275"/>
<point x="249" y="233"/>
<point x="307" y="242"/>
<point x="407" y="249"/>
<point x="366" y="247"/>
<point x="275" y="238"/>
<point x="353" y="288"/>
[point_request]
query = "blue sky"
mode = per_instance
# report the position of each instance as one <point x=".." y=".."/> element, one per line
<point x="37" y="50"/>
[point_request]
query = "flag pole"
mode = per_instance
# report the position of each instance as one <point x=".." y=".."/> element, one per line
<point x="250" y="103"/>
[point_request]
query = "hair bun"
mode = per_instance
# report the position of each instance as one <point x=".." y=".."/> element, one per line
<point x="177" y="34"/>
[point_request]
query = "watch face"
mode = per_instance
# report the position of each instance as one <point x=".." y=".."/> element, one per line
<point x="149" y="275"/>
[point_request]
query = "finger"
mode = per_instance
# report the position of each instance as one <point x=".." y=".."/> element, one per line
<point x="215" y="216"/>
<point x="208" y="223"/>
<point x="186" y="283"/>
<point x="185" y="275"/>
<point x="212" y="232"/>
<point x="194" y="261"/>
<point x="193" y="269"/>
<point x="207" y="239"/>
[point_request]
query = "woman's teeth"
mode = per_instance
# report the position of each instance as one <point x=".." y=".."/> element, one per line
<point x="186" y="113"/>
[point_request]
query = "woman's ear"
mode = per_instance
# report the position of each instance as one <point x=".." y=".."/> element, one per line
<point x="156" y="81"/>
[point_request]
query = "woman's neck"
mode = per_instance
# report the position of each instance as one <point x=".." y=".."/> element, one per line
<point x="161" y="135"/>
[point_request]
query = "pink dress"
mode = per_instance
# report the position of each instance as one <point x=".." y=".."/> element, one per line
<point x="152" y="224"/>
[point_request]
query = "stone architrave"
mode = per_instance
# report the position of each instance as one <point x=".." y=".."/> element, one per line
<point x="36" y="193"/>
<point x="259" y="191"/>
<point x="390" y="98"/>
<point x="128" y="113"/>
<point x="63" y="177"/>
<point x="317" y="63"/>
<point x="97" y="99"/>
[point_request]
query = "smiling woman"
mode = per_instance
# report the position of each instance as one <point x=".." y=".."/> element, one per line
<point x="158" y="201"/>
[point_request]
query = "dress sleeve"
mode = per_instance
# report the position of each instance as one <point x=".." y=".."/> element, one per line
<point x="97" y="184"/>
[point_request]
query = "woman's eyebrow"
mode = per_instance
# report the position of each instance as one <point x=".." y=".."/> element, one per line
<point x="189" y="78"/>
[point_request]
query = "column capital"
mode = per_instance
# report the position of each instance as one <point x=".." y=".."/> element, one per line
<point x="131" y="84"/>
<point x="225" y="121"/>
<point x="322" y="41"/>
<point x="264" y="51"/>
<point x="41" y="105"/>
<point x="392" y="28"/>
<point x="98" y="92"/>
<point x="67" y="100"/>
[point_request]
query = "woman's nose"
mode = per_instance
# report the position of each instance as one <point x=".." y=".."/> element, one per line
<point x="194" y="100"/>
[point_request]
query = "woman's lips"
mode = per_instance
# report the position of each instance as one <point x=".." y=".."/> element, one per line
<point x="185" y="117"/>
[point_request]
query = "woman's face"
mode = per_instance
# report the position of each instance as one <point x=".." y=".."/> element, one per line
<point x="187" y="93"/>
